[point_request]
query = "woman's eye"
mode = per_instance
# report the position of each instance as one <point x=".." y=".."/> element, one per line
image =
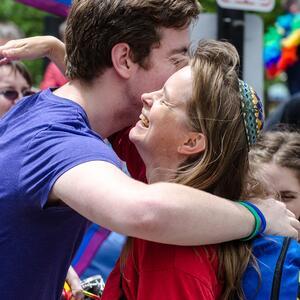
<point x="162" y="101"/>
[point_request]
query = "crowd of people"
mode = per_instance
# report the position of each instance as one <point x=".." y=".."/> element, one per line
<point x="149" y="140"/>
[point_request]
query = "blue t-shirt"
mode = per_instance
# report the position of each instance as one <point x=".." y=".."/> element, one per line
<point x="42" y="137"/>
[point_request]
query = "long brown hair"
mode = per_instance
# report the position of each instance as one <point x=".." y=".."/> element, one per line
<point x="215" y="110"/>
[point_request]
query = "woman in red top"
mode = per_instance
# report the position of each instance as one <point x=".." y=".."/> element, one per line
<point x="196" y="131"/>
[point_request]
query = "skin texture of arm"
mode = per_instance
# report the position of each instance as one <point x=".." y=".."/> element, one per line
<point x="161" y="212"/>
<point x="33" y="48"/>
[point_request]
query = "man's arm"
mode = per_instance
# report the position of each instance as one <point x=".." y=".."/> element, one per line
<point x="161" y="212"/>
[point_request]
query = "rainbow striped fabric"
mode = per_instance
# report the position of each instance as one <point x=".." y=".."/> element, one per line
<point x="57" y="7"/>
<point x="98" y="252"/>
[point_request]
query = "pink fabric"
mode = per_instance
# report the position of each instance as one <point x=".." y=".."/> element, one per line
<point x="53" y="77"/>
<point x="57" y="7"/>
<point x="92" y="247"/>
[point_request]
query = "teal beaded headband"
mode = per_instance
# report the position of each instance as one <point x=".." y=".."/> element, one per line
<point x="252" y="111"/>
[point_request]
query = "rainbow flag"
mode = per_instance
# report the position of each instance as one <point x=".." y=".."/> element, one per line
<point x="57" y="7"/>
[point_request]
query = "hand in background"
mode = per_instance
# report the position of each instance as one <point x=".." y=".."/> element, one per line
<point x="73" y="281"/>
<point x="34" y="48"/>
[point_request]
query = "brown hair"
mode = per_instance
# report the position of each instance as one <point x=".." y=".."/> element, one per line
<point x="95" y="26"/>
<point x="215" y="110"/>
<point x="279" y="147"/>
<point x="17" y="66"/>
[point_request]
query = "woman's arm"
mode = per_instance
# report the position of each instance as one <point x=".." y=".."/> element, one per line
<point x="33" y="48"/>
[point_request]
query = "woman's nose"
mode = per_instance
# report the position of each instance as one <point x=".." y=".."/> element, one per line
<point x="147" y="100"/>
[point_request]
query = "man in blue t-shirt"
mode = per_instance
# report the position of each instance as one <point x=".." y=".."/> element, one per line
<point x="56" y="171"/>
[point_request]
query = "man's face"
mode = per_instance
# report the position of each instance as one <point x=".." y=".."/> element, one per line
<point x="164" y="60"/>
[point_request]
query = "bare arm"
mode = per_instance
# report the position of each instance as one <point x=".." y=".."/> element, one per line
<point x="33" y="48"/>
<point x="161" y="212"/>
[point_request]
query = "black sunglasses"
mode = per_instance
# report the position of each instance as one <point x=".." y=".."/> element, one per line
<point x="12" y="94"/>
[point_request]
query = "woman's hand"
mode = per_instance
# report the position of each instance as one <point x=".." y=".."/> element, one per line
<point x="280" y="220"/>
<point x="33" y="48"/>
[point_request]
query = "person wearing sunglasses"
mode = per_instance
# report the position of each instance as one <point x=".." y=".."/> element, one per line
<point x="15" y="83"/>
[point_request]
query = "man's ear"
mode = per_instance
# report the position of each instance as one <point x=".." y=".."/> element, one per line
<point x="194" y="143"/>
<point x="121" y="60"/>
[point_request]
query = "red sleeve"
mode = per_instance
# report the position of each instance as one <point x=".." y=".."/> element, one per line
<point x="126" y="151"/>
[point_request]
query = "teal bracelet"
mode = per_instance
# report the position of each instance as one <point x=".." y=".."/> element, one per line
<point x="257" y="225"/>
<point x="260" y="214"/>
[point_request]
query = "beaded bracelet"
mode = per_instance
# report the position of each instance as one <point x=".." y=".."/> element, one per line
<point x="262" y="217"/>
<point x="258" y="223"/>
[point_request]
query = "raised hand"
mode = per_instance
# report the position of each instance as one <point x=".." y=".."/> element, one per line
<point x="34" y="48"/>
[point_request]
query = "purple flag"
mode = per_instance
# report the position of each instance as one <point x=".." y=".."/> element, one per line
<point x="57" y="7"/>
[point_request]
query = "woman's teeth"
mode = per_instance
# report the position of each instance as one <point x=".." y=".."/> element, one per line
<point x="144" y="120"/>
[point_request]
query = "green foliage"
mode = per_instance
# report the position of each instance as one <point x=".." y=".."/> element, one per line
<point x="209" y="5"/>
<point x="30" y="21"/>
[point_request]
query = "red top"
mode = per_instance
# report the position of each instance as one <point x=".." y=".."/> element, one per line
<point x="126" y="150"/>
<point x="53" y="77"/>
<point x="156" y="271"/>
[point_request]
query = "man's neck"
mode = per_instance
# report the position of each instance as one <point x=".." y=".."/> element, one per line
<point x="102" y="101"/>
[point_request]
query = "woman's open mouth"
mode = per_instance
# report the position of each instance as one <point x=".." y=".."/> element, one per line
<point x="144" y="120"/>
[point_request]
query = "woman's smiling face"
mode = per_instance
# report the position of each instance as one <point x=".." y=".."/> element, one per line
<point x="163" y="124"/>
